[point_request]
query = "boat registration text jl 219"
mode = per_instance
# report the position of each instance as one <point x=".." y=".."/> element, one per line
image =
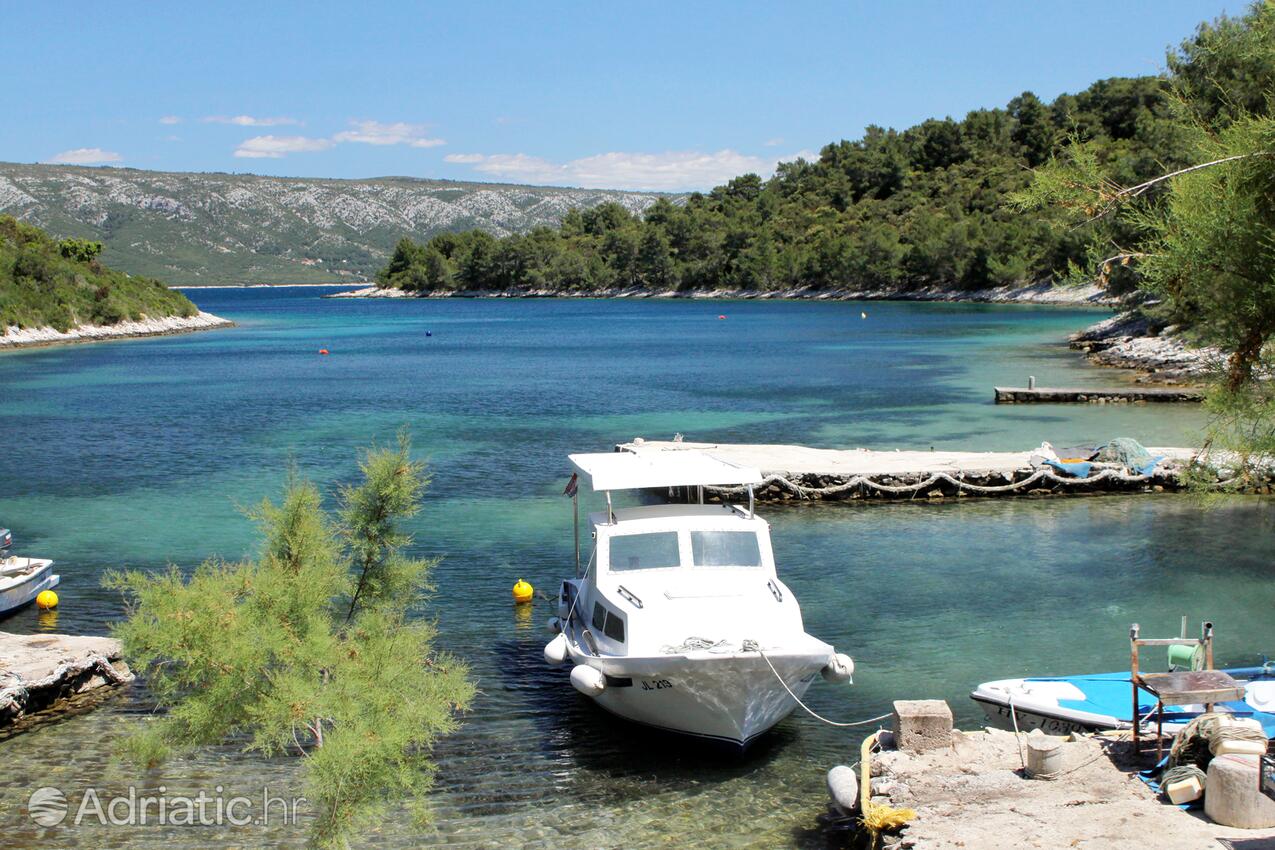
<point x="678" y="619"/>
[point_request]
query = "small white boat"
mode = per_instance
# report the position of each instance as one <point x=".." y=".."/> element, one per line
<point x="679" y="620"/>
<point x="22" y="579"/>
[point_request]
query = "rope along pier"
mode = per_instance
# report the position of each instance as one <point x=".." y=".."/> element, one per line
<point x="801" y="473"/>
<point x="862" y="486"/>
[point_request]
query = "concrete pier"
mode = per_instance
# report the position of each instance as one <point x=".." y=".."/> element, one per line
<point x="975" y="792"/>
<point x="1066" y="395"/>
<point x="800" y="473"/>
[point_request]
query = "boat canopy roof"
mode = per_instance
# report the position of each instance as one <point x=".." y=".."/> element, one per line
<point x="606" y="471"/>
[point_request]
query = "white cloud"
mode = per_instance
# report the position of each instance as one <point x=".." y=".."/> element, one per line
<point x="250" y="121"/>
<point x="84" y="156"/>
<point x="775" y="142"/>
<point x="274" y="147"/>
<point x="668" y="171"/>
<point x="170" y="119"/>
<point x="398" y="133"/>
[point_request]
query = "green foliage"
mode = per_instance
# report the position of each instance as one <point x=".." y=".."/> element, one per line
<point x="61" y="284"/>
<point x="80" y="250"/>
<point x="1199" y="239"/>
<point x="899" y="210"/>
<point x="1227" y="70"/>
<point x="309" y="648"/>
<point x="1211" y="255"/>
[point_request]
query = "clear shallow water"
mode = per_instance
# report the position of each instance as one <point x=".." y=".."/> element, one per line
<point x="139" y="454"/>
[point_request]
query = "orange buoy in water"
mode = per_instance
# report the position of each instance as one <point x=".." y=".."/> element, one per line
<point x="323" y="351"/>
<point x="46" y="600"/>
<point x="721" y="317"/>
<point x="523" y="592"/>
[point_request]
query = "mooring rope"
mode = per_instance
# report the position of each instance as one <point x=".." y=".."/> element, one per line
<point x="751" y="645"/>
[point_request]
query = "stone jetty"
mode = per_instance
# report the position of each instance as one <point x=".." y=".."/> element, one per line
<point x="801" y="473"/>
<point x="1080" y="395"/>
<point x="978" y="789"/>
<point x="42" y="673"/>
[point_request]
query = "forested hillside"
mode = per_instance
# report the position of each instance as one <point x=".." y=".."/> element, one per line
<point x="60" y="283"/>
<point x="923" y="207"/>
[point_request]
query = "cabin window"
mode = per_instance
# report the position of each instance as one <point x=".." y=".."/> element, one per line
<point x="614" y="628"/>
<point x="608" y="622"/>
<point x="645" y="551"/>
<point x="725" y="549"/>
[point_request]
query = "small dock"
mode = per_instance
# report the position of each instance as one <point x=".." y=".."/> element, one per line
<point x="1032" y="394"/>
<point x="801" y="473"/>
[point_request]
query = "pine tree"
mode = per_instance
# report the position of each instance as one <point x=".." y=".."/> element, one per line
<point x="307" y="649"/>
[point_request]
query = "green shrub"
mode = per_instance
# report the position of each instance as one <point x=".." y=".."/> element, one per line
<point x="62" y="283"/>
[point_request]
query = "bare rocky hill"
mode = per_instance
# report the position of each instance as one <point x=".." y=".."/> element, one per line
<point x="195" y="228"/>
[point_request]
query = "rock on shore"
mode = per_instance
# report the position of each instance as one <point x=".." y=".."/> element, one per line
<point x="15" y="337"/>
<point x="39" y="671"/>
<point x="1130" y="341"/>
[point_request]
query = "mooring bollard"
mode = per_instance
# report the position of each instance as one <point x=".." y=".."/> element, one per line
<point x="1031" y="382"/>
<point x="1044" y="757"/>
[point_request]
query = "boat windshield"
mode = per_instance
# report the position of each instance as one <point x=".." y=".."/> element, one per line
<point x="648" y="551"/>
<point x="725" y="549"/>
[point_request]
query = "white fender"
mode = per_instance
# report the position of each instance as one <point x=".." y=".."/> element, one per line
<point x="839" y="669"/>
<point x="588" y="680"/>
<point x="555" y="625"/>
<point x="556" y="650"/>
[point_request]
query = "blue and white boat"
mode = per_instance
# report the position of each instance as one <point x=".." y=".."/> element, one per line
<point x="22" y="579"/>
<point x="1095" y="702"/>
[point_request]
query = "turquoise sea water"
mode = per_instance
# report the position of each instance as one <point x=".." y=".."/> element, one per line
<point x="141" y="453"/>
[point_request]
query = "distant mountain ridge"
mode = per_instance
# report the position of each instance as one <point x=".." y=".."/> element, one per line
<point x="216" y="228"/>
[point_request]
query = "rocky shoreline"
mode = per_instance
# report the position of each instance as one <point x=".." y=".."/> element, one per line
<point x="42" y="675"/>
<point x="1039" y="293"/>
<point x="1131" y="341"/>
<point x="15" y="337"/>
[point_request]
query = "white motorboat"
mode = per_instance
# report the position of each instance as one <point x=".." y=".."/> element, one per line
<point x="22" y="579"/>
<point x="678" y="619"/>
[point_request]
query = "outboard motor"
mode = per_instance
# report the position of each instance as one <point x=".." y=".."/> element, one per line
<point x="6" y="540"/>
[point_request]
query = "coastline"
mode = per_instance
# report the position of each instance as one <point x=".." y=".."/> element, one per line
<point x="18" y="338"/>
<point x="1130" y="341"/>
<point x="1091" y="295"/>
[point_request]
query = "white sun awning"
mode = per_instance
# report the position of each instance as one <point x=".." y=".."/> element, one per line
<point x="681" y="468"/>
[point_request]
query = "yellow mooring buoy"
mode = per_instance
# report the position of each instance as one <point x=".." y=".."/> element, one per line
<point x="523" y="592"/>
<point x="46" y="600"/>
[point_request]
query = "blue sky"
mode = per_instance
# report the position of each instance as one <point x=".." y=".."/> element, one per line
<point x="653" y="95"/>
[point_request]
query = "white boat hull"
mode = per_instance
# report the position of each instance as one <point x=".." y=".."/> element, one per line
<point x="22" y="589"/>
<point x="729" y="698"/>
